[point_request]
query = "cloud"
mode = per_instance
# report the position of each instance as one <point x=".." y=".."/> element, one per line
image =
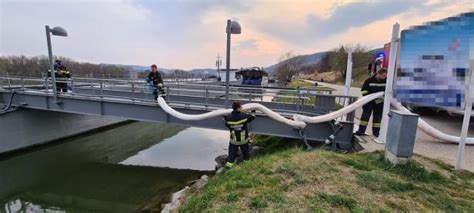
<point x="342" y="18"/>
<point x="97" y="30"/>
<point x="247" y="44"/>
<point x="189" y="34"/>
<point x="355" y="15"/>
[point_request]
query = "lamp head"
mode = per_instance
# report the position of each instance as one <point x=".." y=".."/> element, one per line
<point x="58" y="31"/>
<point x="234" y="28"/>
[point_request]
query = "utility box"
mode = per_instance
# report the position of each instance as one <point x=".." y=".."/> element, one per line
<point x="401" y="136"/>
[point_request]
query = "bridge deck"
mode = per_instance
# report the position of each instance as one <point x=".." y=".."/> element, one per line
<point x="138" y="105"/>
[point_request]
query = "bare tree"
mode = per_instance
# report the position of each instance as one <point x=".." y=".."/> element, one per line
<point x="361" y="56"/>
<point x="289" y="65"/>
<point x="39" y="65"/>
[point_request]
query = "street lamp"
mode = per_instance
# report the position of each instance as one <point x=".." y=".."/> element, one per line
<point x="218" y="65"/>
<point x="57" y="31"/>
<point x="233" y="27"/>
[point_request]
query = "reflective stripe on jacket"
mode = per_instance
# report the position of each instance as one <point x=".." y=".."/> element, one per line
<point x="373" y="85"/>
<point x="237" y="124"/>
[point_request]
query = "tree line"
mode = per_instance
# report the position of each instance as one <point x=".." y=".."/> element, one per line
<point x="335" y="60"/>
<point x="38" y="66"/>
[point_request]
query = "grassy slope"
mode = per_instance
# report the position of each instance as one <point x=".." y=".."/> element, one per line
<point x="359" y="75"/>
<point x="289" y="179"/>
<point x="300" y="84"/>
<point x="358" y="78"/>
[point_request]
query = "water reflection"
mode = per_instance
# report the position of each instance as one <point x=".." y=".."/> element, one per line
<point x="85" y="174"/>
<point x="192" y="148"/>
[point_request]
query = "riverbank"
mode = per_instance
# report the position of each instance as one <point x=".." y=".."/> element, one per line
<point x="126" y="168"/>
<point x="287" y="178"/>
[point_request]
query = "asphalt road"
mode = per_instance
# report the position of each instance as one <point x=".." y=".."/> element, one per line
<point x="426" y="145"/>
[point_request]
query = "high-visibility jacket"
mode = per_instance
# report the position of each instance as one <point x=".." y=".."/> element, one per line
<point x="373" y="85"/>
<point x="237" y="123"/>
<point x="156" y="78"/>
<point x="60" y="73"/>
<point x="63" y="74"/>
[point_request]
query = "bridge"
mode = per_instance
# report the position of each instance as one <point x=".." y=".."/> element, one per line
<point x="131" y="99"/>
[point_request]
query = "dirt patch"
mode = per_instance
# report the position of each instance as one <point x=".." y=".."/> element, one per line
<point x="325" y="76"/>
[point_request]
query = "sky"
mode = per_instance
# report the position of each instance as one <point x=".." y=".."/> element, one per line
<point x="187" y="34"/>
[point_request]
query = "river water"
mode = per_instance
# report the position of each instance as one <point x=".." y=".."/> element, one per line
<point x="128" y="168"/>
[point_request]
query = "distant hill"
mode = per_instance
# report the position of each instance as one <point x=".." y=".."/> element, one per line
<point x="140" y="68"/>
<point x="204" y="71"/>
<point x="307" y="60"/>
<point x="312" y="59"/>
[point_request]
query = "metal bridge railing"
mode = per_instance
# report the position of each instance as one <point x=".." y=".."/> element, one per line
<point x="317" y="101"/>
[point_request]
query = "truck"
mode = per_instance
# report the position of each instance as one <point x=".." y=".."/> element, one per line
<point x="434" y="62"/>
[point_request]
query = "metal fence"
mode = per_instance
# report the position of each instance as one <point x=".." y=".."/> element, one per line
<point x="290" y="100"/>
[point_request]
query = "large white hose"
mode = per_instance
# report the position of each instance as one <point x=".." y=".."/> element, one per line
<point x="222" y="112"/>
<point x="336" y="114"/>
<point x="430" y="130"/>
<point x="300" y="121"/>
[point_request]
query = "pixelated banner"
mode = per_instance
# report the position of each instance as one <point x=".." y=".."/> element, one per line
<point x="433" y="66"/>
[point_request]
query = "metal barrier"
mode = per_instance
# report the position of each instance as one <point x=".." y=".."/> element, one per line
<point x="289" y="100"/>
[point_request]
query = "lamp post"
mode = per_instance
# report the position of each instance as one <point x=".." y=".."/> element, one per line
<point x="57" y="31"/>
<point x="233" y="27"/>
<point x="218" y="64"/>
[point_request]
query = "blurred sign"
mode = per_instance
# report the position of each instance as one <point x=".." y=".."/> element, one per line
<point x="433" y="67"/>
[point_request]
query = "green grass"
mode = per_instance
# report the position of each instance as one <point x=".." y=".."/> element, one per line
<point x="291" y="99"/>
<point x="285" y="178"/>
<point x="359" y="75"/>
<point x="378" y="181"/>
<point x="311" y="99"/>
<point x="301" y="84"/>
<point x="335" y="201"/>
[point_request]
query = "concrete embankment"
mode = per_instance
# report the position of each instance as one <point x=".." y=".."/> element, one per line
<point x="27" y="128"/>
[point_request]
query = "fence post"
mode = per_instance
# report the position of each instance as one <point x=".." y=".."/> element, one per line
<point x="101" y="89"/>
<point x="9" y="82"/>
<point x="207" y="96"/>
<point x="72" y="85"/>
<point x="298" y="103"/>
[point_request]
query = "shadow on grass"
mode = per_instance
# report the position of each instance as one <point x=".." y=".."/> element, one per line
<point x="376" y="161"/>
<point x="334" y="200"/>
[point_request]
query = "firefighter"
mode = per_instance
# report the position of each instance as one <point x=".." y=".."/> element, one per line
<point x="375" y="65"/>
<point x="61" y="73"/>
<point x="237" y="123"/>
<point x="157" y="81"/>
<point x="373" y="85"/>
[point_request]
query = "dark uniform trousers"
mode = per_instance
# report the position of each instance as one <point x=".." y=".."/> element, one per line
<point x="375" y="107"/>
<point x="234" y="149"/>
